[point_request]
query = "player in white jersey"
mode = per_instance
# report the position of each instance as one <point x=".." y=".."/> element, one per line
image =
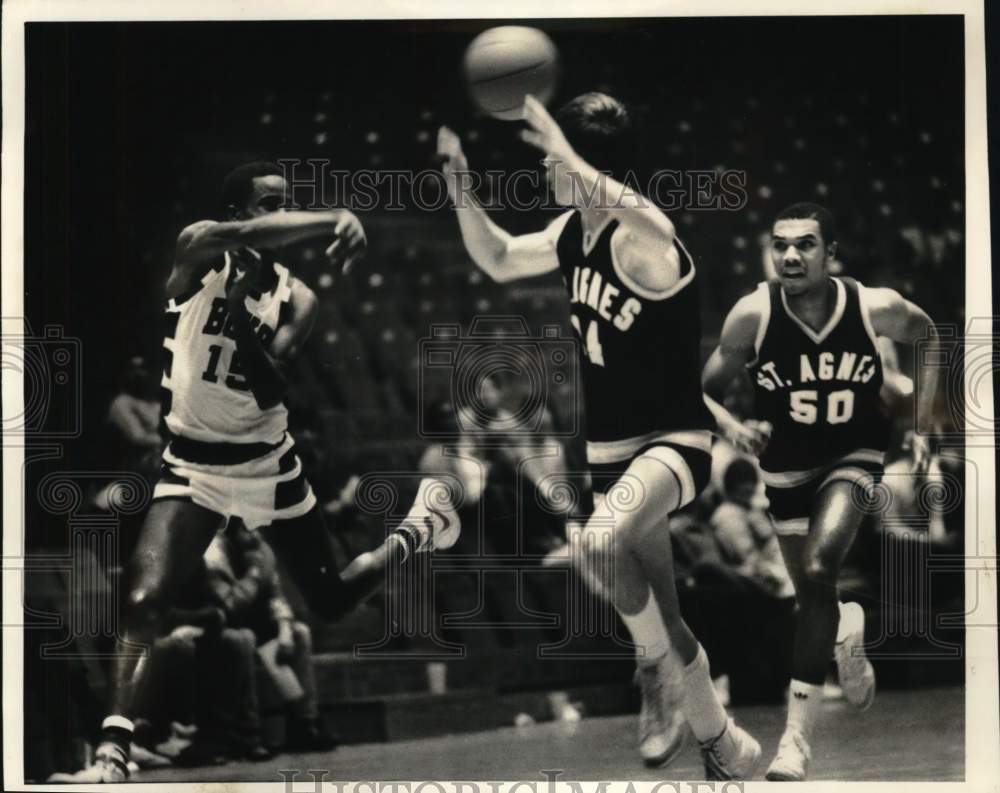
<point x="235" y="317"/>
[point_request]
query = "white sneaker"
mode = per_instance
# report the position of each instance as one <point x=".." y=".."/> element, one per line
<point x="733" y="755"/>
<point x="661" y="721"/>
<point x="857" y="677"/>
<point x="792" y="760"/>
<point x="721" y="686"/>
<point x="432" y="519"/>
<point x="110" y="766"/>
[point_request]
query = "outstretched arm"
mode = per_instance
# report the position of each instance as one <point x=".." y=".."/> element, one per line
<point x="726" y="363"/>
<point x="203" y="242"/>
<point x="502" y="256"/>
<point x="896" y="318"/>
<point x="654" y="262"/>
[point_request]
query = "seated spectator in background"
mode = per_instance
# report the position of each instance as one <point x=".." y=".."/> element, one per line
<point x="204" y="672"/>
<point x="243" y="577"/>
<point x="745" y="533"/>
<point x="737" y="592"/>
<point x="920" y="503"/>
<point x="132" y="421"/>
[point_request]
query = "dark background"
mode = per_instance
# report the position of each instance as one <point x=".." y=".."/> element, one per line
<point x="131" y="128"/>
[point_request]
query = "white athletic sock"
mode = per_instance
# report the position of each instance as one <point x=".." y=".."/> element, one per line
<point x="118" y="723"/>
<point x="804" y="703"/>
<point x="702" y="708"/>
<point x="416" y="526"/>
<point x="648" y="632"/>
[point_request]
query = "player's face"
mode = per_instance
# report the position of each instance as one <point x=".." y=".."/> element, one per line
<point x="269" y="195"/>
<point x="799" y="255"/>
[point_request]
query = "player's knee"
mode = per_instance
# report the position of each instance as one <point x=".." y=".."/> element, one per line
<point x="146" y="602"/>
<point x="820" y="574"/>
<point x="600" y="544"/>
<point x="302" y="635"/>
<point x="241" y="641"/>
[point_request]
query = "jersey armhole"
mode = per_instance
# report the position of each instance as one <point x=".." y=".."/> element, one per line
<point x="683" y="279"/>
<point x="865" y="308"/>
<point x="761" y="298"/>
<point x="174" y="303"/>
<point x="557" y="225"/>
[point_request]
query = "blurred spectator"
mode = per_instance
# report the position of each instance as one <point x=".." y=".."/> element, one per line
<point x="133" y="440"/>
<point x="204" y="672"/>
<point x="920" y="503"/>
<point x="745" y="533"/>
<point x="243" y="577"/>
<point x="735" y="587"/>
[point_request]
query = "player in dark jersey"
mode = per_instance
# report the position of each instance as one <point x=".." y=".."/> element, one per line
<point x="633" y="298"/>
<point x="229" y="452"/>
<point x="808" y="342"/>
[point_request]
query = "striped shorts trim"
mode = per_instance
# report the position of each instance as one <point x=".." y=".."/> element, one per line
<point x="690" y="466"/>
<point x="791" y="505"/>
<point x="261" y="491"/>
<point x="604" y="452"/>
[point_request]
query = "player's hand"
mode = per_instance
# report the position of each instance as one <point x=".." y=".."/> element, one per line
<point x="247" y="263"/>
<point x="921" y="450"/>
<point x="453" y="161"/>
<point x="187" y="632"/>
<point x="750" y="437"/>
<point x="350" y="244"/>
<point x="286" y="643"/>
<point x="560" y="159"/>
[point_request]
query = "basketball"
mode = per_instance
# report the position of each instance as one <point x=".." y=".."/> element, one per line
<point x="503" y="64"/>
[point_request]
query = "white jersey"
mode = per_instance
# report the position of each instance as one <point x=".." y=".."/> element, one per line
<point x="205" y="395"/>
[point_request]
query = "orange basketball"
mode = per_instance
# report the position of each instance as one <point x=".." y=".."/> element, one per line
<point x="505" y="63"/>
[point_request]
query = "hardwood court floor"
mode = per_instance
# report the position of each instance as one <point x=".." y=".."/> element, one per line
<point x="907" y="735"/>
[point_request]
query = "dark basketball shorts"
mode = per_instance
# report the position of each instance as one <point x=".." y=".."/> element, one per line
<point x="685" y="455"/>
<point x="261" y="490"/>
<point x="792" y="494"/>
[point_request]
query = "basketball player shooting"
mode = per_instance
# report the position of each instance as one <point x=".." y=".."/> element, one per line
<point x="235" y="319"/>
<point x="634" y="303"/>
<point x="809" y="343"/>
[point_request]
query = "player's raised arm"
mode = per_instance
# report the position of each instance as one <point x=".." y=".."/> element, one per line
<point x="208" y="239"/>
<point x="201" y="243"/>
<point x="896" y="318"/>
<point x="727" y="362"/>
<point x="502" y="256"/>
<point x="579" y="184"/>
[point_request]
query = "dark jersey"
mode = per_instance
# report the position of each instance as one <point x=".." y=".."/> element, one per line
<point x="639" y="351"/>
<point x="820" y="391"/>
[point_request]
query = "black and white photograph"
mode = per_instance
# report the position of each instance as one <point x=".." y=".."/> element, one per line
<point x="501" y="396"/>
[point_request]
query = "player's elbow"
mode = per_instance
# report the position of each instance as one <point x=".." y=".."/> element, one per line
<point x="713" y="376"/>
<point x="494" y="264"/>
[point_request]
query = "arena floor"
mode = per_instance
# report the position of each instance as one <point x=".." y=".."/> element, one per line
<point x="907" y="735"/>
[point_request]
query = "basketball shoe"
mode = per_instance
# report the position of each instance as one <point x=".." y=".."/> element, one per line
<point x="857" y="677"/>
<point x="661" y="720"/>
<point x="110" y="765"/>
<point x="792" y="760"/>
<point x="734" y="754"/>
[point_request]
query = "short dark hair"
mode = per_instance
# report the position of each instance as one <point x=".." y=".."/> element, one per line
<point x="806" y="210"/>
<point x="601" y="130"/>
<point x="238" y="184"/>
